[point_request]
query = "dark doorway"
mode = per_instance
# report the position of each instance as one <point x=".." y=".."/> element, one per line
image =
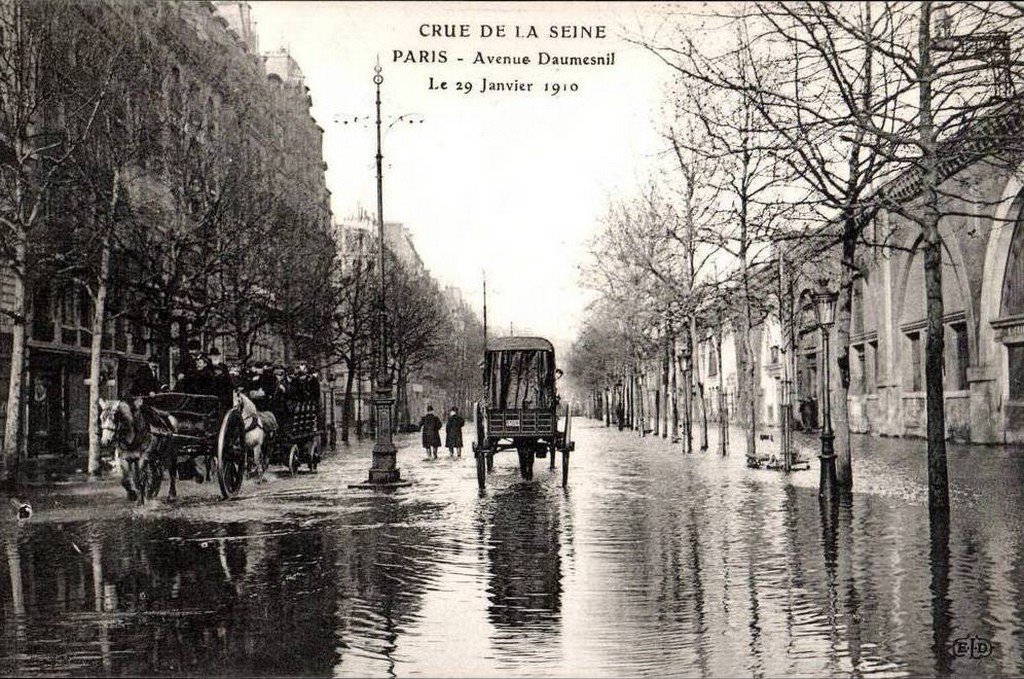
<point x="46" y="422"/>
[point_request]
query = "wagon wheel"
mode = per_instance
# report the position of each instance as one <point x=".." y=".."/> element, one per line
<point x="566" y="446"/>
<point x="480" y="445"/>
<point x="293" y="459"/>
<point x="230" y="454"/>
<point x="313" y="455"/>
<point x="481" y="434"/>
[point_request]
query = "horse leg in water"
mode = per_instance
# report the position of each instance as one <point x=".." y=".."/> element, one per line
<point x="139" y="479"/>
<point x="127" y="478"/>
<point x="172" y="467"/>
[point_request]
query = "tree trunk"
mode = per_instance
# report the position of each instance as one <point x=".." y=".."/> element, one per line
<point x="841" y="387"/>
<point x="95" y="354"/>
<point x="695" y="362"/>
<point x="346" y="411"/>
<point x="675" y="394"/>
<point x="723" y="406"/>
<point x="664" y="388"/>
<point x="12" y="426"/>
<point x="938" y="483"/>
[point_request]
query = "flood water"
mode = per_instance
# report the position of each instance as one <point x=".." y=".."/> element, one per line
<point x="651" y="563"/>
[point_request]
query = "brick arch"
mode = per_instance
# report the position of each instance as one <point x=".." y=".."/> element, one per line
<point x="1008" y="211"/>
<point x="953" y="261"/>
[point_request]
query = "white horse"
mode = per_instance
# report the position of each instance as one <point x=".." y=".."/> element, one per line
<point x="141" y="437"/>
<point x="260" y="428"/>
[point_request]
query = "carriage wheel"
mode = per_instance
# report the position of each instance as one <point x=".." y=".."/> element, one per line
<point x="293" y="459"/>
<point x="230" y="454"/>
<point x="481" y="469"/>
<point x="481" y="434"/>
<point x="313" y="459"/>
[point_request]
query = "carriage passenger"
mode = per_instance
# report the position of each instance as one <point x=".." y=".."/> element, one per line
<point x="221" y="385"/>
<point x="145" y="383"/>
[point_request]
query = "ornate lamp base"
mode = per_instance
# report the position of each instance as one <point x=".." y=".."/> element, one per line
<point x="384" y="471"/>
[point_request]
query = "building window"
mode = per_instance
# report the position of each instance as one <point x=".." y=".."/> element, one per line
<point x="712" y="361"/>
<point x="874" y="367"/>
<point x="1015" y="352"/>
<point x="916" y="360"/>
<point x="860" y="359"/>
<point x="775" y="355"/>
<point x="857" y="306"/>
<point x="961" y="357"/>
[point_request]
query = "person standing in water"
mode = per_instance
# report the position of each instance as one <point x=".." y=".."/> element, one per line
<point x="431" y="426"/>
<point x="453" y="433"/>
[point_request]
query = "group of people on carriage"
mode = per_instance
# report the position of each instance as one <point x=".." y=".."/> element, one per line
<point x="200" y="374"/>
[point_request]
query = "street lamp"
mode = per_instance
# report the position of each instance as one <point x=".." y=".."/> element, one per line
<point x="384" y="471"/>
<point x="825" y="304"/>
<point x="685" y="358"/>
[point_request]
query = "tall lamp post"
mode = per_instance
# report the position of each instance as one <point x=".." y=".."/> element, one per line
<point x="384" y="471"/>
<point x="825" y="303"/>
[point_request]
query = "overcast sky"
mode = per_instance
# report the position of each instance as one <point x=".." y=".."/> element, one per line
<point x="514" y="182"/>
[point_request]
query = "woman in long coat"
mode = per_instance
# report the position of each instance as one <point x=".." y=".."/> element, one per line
<point x="431" y="426"/>
<point x="453" y="432"/>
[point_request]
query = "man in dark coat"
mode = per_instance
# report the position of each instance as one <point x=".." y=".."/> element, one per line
<point x="431" y="426"/>
<point x="453" y="433"/>
<point x="221" y="385"/>
<point x="144" y="383"/>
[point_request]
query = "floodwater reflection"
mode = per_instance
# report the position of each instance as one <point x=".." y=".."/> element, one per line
<point x="651" y="563"/>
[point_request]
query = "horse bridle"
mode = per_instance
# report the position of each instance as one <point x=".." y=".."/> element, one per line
<point x="111" y="423"/>
<point x="257" y="421"/>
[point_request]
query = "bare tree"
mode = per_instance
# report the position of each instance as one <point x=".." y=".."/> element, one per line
<point x="42" y="87"/>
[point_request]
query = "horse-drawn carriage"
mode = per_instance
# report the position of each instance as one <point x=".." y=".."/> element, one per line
<point x="520" y="409"/>
<point x="297" y="438"/>
<point x="177" y="432"/>
<point x="207" y="429"/>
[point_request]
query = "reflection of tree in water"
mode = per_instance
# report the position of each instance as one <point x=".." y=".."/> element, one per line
<point x="524" y="563"/>
<point x="235" y="601"/>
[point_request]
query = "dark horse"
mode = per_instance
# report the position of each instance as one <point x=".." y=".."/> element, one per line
<point x="141" y="437"/>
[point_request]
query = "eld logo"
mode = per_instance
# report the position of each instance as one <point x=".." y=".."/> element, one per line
<point x="972" y="647"/>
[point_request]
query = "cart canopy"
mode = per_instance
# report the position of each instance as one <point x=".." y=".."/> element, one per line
<point x="519" y="372"/>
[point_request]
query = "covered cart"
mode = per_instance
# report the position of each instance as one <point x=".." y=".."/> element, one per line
<point x="520" y="407"/>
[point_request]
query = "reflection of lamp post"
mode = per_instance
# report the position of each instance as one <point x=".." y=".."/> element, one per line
<point x="825" y="302"/>
<point x="384" y="469"/>
<point x="685" y="356"/>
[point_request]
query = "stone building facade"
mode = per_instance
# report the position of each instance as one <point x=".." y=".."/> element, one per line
<point x="983" y="298"/>
<point x="274" y="115"/>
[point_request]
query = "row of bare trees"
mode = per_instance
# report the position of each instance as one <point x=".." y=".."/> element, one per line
<point x="430" y="338"/>
<point x="145" y="166"/>
<point x="790" y="127"/>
